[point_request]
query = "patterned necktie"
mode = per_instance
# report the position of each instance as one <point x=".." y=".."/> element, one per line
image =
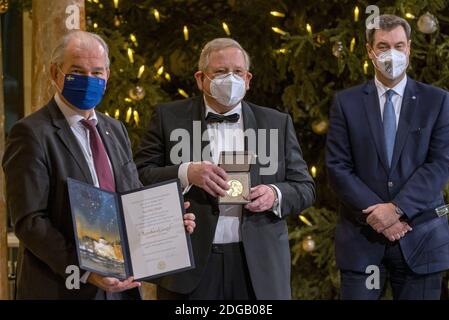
<point x="213" y="117"/>
<point x="102" y="167"/>
<point x="389" y="121"/>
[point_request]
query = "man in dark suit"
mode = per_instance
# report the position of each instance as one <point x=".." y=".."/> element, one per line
<point x="66" y="138"/>
<point x="241" y="252"/>
<point x="388" y="161"/>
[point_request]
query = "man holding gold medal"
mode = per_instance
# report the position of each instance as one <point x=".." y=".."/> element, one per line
<point x="240" y="205"/>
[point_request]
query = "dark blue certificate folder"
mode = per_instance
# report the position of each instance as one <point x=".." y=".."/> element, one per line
<point x="138" y="233"/>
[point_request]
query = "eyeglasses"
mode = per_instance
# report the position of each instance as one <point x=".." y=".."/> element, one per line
<point x="224" y="73"/>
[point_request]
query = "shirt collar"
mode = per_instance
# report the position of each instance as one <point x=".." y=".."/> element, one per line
<point x="236" y="109"/>
<point x="399" y="89"/>
<point x="72" y="117"/>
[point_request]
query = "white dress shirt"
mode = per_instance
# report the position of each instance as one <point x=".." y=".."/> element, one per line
<point x="226" y="136"/>
<point x="82" y="136"/>
<point x="396" y="99"/>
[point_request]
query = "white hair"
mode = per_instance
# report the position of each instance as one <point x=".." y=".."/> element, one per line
<point x="216" y="45"/>
<point x="87" y="40"/>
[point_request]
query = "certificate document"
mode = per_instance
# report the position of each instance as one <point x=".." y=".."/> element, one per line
<point x="139" y="233"/>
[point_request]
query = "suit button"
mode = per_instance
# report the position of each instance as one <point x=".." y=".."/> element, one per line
<point x="390" y="184"/>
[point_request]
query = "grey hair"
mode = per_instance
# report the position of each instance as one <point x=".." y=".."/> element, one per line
<point x="388" y="22"/>
<point x="86" y="39"/>
<point x="219" y="44"/>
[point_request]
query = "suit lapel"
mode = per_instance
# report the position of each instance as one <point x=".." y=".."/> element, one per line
<point x="371" y="103"/>
<point x="196" y="131"/>
<point x="69" y="140"/>
<point x="406" y="118"/>
<point x="198" y="116"/>
<point x="249" y="122"/>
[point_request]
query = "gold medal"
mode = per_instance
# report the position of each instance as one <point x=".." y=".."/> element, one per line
<point x="235" y="188"/>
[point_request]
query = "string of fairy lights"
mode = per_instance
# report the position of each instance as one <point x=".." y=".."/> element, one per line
<point x="138" y="93"/>
<point x="427" y="23"/>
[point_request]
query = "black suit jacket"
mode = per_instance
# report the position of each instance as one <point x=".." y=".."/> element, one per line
<point x="264" y="235"/>
<point x="41" y="153"/>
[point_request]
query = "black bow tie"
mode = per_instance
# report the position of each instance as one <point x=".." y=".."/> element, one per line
<point x="213" y="117"/>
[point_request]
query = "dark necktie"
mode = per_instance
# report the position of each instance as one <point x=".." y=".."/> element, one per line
<point x="389" y="121"/>
<point x="102" y="167"/>
<point x="213" y="117"/>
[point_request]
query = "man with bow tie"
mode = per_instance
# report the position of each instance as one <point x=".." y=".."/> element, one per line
<point x="241" y="251"/>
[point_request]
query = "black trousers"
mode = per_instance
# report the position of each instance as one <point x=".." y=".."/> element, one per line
<point x="405" y="284"/>
<point x="133" y="294"/>
<point x="225" y="277"/>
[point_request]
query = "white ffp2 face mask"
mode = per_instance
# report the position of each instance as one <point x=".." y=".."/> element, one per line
<point x="228" y="89"/>
<point x="391" y="63"/>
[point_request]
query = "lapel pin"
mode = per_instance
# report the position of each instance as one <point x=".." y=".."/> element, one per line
<point x="107" y="132"/>
<point x="413" y="97"/>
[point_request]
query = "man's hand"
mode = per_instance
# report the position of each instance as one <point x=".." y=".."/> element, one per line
<point x="397" y="231"/>
<point x="110" y="284"/>
<point x="189" y="219"/>
<point x="262" y="198"/>
<point x="381" y="216"/>
<point x="209" y="177"/>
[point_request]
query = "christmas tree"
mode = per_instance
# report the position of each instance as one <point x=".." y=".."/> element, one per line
<point x="302" y="53"/>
